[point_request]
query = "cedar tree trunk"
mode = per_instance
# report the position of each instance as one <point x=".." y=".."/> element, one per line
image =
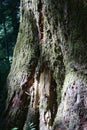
<point x="47" y="84"/>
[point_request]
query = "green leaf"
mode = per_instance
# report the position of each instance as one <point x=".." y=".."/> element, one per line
<point x="14" y="128"/>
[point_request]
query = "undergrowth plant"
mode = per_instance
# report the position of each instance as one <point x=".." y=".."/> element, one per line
<point x="29" y="126"/>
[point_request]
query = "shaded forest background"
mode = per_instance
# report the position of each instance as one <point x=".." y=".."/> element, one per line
<point x="9" y="25"/>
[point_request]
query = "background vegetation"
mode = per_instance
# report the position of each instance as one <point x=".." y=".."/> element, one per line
<point x="9" y="24"/>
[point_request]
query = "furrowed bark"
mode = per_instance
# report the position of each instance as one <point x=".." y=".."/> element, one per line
<point x="48" y="73"/>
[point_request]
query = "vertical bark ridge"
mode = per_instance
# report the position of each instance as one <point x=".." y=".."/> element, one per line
<point x="41" y="20"/>
<point x="18" y="105"/>
<point x="48" y="99"/>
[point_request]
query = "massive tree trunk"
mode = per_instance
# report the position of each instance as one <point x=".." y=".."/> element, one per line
<point x="47" y="83"/>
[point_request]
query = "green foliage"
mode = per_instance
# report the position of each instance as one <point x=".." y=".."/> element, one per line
<point x="14" y="128"/>
<point x="30" y="126"/>
<point x="9" y="23"/>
